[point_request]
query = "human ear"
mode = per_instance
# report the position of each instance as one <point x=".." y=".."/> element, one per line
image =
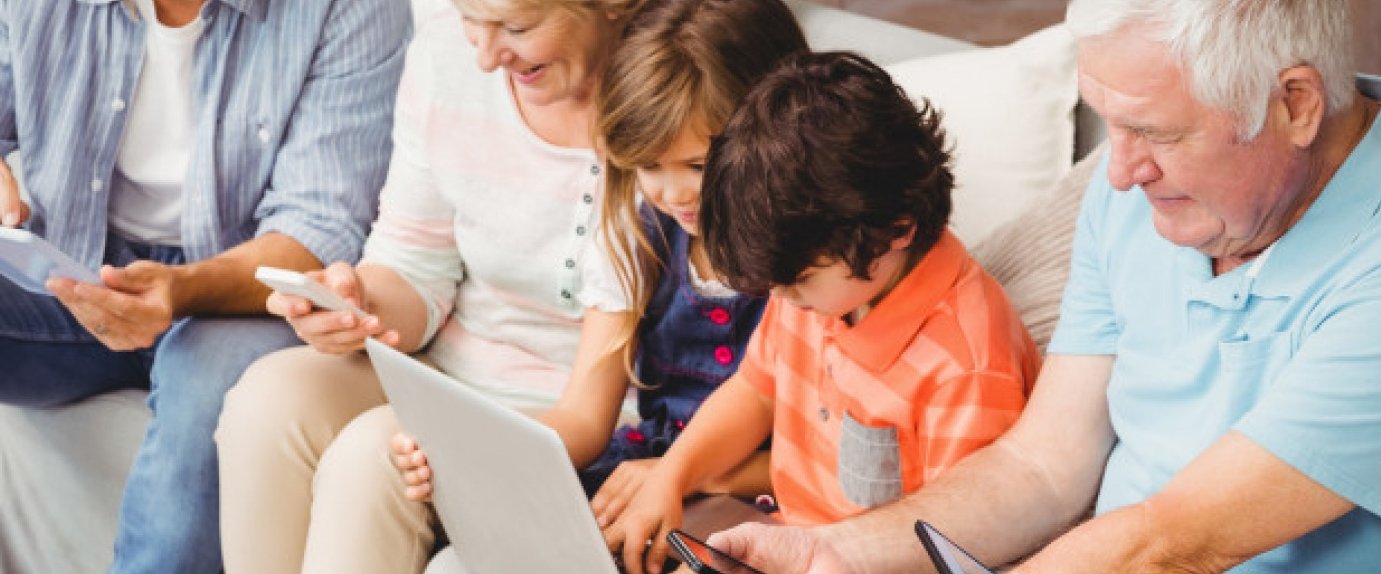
<point x="903" y="241"/>
<point x="1304" y="102"/>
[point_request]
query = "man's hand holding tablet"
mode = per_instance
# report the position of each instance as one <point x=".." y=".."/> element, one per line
<point x="30" y="261"/>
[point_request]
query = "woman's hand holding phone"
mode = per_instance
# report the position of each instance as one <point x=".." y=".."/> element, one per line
<point x="324" y="308"/>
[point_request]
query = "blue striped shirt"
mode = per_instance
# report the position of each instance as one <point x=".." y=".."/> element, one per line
<point x="293" y="107"/>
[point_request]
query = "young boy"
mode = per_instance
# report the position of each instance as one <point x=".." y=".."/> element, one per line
<point x="886" y="354"/>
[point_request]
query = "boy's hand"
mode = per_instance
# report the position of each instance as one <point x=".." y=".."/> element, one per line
<point x="613" y="497"/>
<point x="412" y="463"/>
<point x="334" y="332"/>
<point x="653" y="512"/>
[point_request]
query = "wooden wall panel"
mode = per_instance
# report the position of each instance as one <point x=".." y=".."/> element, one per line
<point x="1366" y="32"/>
<point x="995" y="22"/>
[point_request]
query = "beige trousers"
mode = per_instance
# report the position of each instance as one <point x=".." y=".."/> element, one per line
<point x="307" y="484"/>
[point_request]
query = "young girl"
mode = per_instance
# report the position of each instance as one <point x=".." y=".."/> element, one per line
<point x="661" y="319"/>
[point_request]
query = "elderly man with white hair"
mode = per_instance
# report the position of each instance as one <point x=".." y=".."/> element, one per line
<point x="1215" y="380"/>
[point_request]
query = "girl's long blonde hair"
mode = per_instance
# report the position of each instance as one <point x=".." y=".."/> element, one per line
<point x="682" y="64"/>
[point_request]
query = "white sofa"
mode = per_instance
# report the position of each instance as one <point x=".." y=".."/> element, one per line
<point x="1010" y="113"/>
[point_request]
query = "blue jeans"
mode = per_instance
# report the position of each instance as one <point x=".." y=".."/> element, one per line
<point x="170" y="515"/>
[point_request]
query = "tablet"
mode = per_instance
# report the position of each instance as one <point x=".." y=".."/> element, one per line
<point x="502" y="482"/>
<point x="947" y="556"/>
<point x="30" y="261"/>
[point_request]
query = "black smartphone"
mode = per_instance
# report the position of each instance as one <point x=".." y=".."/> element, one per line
<point x="703" y="558"/>
<point x="948" y="557"/>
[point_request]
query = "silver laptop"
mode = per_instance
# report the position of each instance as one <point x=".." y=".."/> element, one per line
<point x="504" y="486"/>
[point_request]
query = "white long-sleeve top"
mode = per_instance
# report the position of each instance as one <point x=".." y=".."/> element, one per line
<point x="488" y="222"/>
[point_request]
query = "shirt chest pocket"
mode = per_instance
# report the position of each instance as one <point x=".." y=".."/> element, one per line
<point x="1255" y="354"/>
<point x="249" y="143"/>
<point x="1252" y="364"/>
<point x="869" y="463"/>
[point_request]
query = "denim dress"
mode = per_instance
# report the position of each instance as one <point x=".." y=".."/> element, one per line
<point x="688" y="344"/>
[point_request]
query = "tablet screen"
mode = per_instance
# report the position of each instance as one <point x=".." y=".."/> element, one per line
<point x="29" y="261"/>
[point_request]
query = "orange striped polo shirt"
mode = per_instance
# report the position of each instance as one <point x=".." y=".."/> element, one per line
<point x="864" y="414"/>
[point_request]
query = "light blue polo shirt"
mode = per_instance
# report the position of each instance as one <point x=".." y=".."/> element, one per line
<point x="1290" y="358"/>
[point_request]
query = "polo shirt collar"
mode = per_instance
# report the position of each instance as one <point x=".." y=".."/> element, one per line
<point x="879" y="339"/>
<point x="1345" y="209"/>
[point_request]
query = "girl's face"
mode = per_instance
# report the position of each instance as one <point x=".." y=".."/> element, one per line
<point x="672" y="183"/>
<point x="550" y="55"/>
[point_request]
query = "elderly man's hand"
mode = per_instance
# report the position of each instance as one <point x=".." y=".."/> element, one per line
<point x="130" y="311"/>
<point x="780" y="549"/>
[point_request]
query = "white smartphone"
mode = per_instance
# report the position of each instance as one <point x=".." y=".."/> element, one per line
<point x="30" y="261"/>
<point x="294" y="283"/>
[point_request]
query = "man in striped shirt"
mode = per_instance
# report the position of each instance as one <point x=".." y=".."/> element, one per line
<point x="886" y="354"/>
<point x="179" y="144"/>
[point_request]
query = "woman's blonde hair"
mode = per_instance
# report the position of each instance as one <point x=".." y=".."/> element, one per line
<point x="682" y="64"/>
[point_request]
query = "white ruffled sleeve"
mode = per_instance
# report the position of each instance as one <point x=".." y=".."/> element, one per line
<point x="601" y="289"/>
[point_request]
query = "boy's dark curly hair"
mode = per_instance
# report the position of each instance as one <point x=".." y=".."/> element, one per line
<point x="826" y="158"/>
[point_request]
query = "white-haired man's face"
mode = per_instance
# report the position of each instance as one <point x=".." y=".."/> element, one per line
<point x="1207" y="189"/>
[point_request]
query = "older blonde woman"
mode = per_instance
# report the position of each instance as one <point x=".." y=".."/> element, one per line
<point x="476" y="257"/>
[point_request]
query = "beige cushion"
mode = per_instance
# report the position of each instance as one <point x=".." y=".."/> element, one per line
<point x="1029" y="255"/>
<point x="1009" y="115"/>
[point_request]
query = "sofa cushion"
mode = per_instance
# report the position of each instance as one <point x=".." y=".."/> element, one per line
<point x="62" y="471"/>
<point x="1029" y="255"/>
<point x="1008" y="112"/>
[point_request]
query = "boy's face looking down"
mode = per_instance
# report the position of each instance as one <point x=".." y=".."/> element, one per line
<point x="823" y="183"/>
<point x="829" y="287"/>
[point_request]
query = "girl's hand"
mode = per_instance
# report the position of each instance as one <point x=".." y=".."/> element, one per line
<point x="412" y="463"/>
<point x="620" y="488"/>
<point x="334" y="332"/>
<point x="654" y="511"/>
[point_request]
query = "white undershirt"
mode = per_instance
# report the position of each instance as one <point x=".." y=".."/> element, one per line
<point x="708" y="287"/>
<point x="146" y="192"/>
